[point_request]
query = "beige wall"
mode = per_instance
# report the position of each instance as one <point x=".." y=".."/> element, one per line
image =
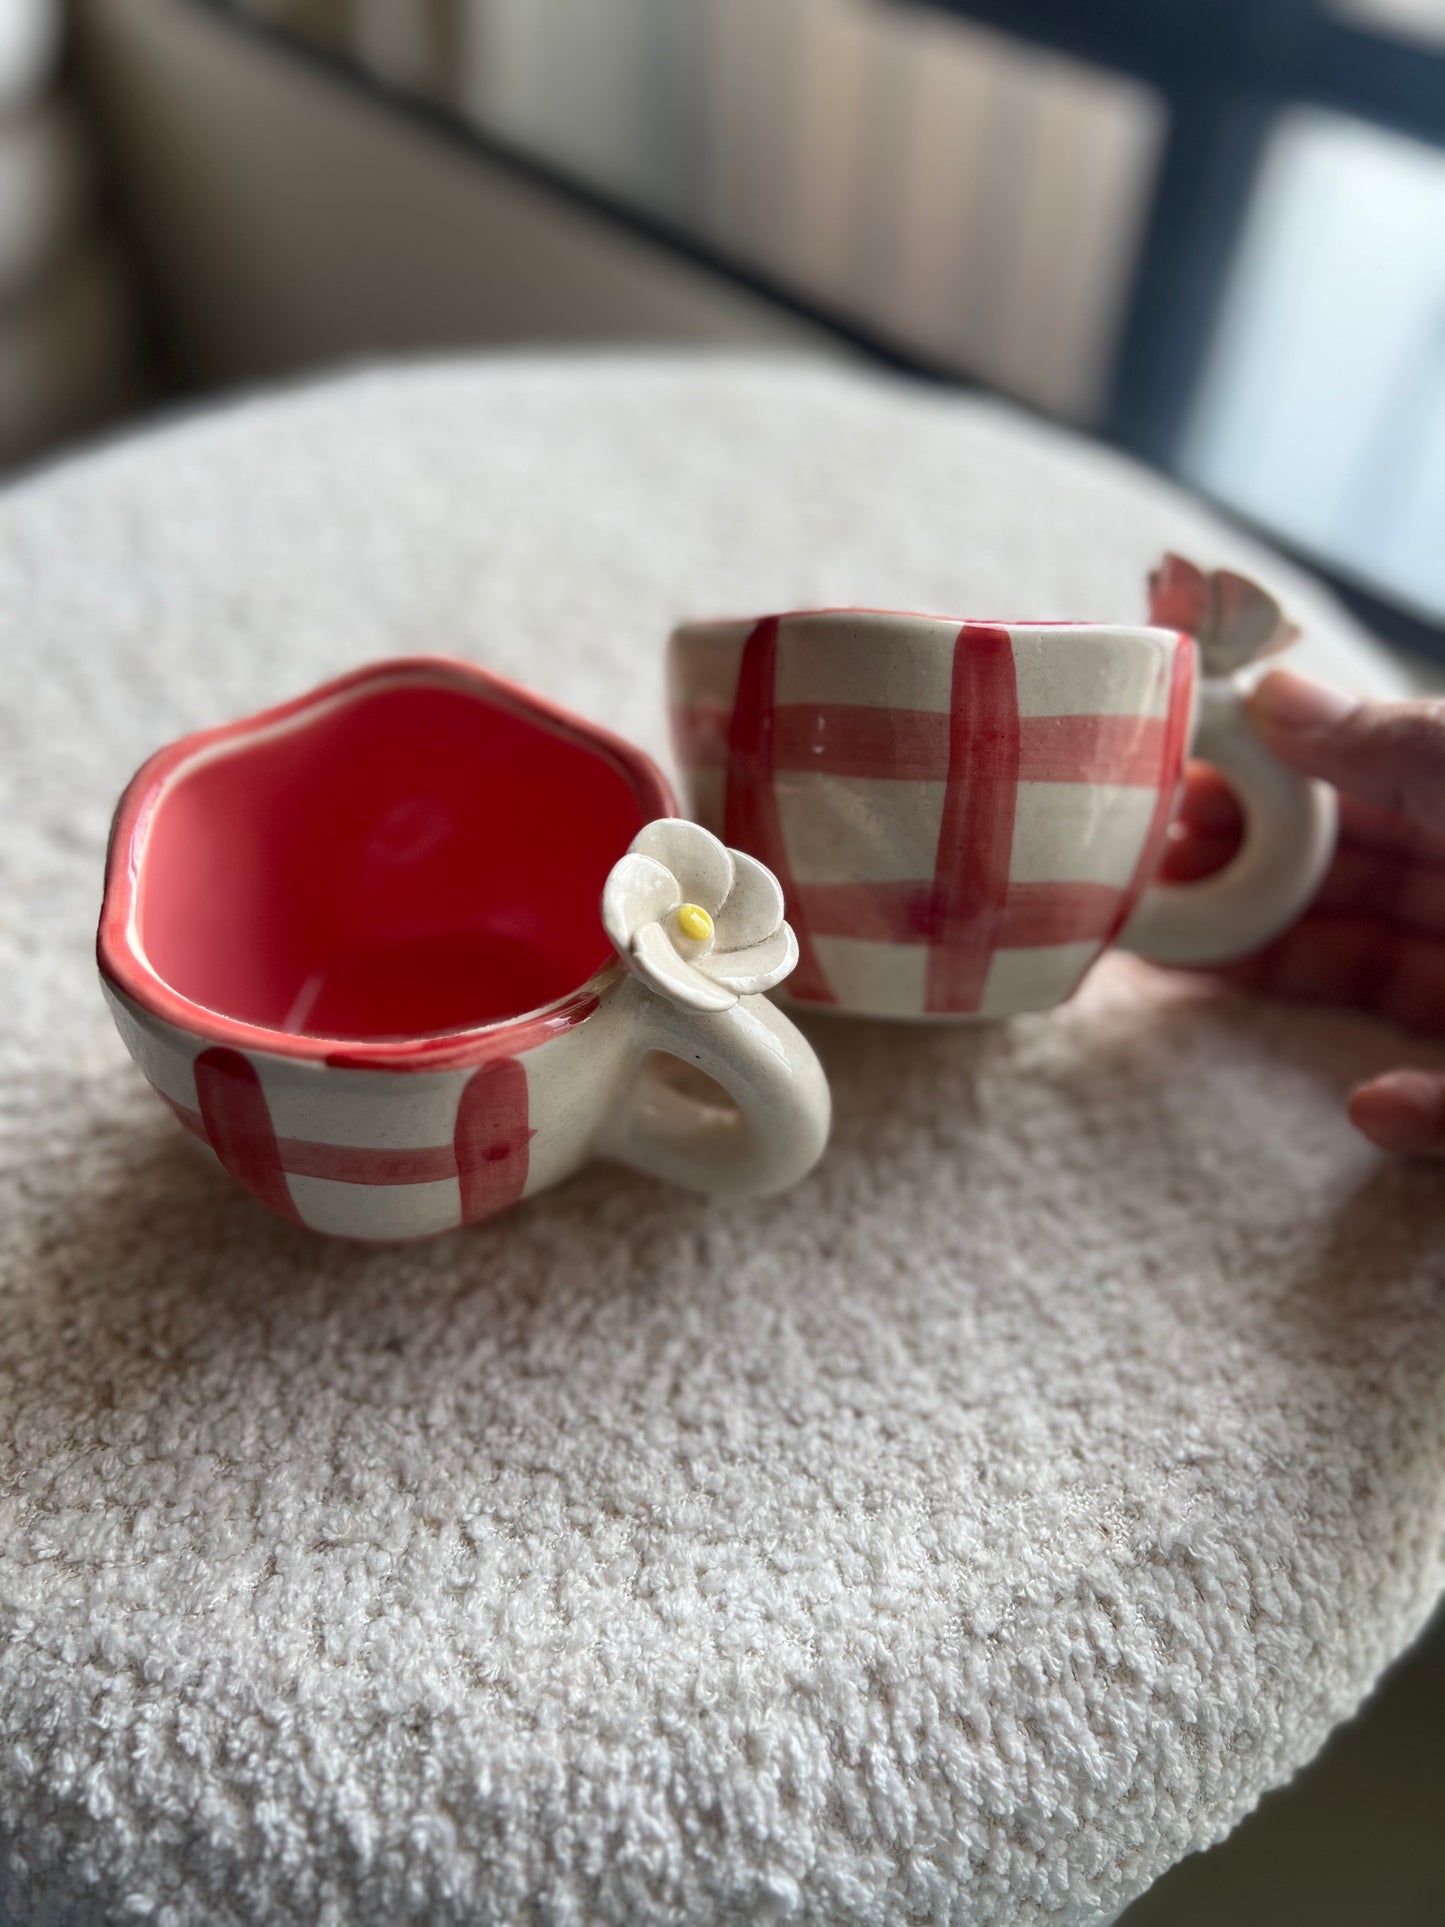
<point x="284" y="220"/>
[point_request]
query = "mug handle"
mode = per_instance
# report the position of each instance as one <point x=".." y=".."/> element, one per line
<point x="1289" y="839"/>
<point x="773" y="1137"/>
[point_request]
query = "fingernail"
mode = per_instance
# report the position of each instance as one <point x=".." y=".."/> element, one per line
<point x="1297" y="707"/>
<point x="1402" y="1111"/>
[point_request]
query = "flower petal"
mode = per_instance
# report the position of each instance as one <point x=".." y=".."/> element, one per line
<point x="754" y="908"/>
<point x="660" y="967"/>
<point x="637" y="891"/>
<point x="1179" y="595"/>
<point x="756" y="968"/>
<point x="1232" y="619"/>
<point x="1248" y="622"/>
<point x="702" y="865"/>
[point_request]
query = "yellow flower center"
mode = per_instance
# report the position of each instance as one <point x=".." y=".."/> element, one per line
<point x="694" y="922"/>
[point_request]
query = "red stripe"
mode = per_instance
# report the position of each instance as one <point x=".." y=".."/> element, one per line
<point x="191" y="1119"/>
<point x="975" y="838"/>
<point x="1176" y="743"/>
<point x="357" y="1164"/>
<point x="237" y="1123"/>
<point x="700" y="734"/>
<point x="1033" y="914"/>
<point x="750" y="820"/>
<point x="912" y="745"/>
<point x="1037" y="914"/>
<point x="850" y="739"/>
<point x="1127" y="750"/>
<point x="492" y="1139"/>
<point x="483" y="1139"/>
<point x="874" y="912"/>
<point x="347" y="1163"/>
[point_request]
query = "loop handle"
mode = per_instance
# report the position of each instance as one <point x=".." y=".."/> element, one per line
<point x="1289" y="838"/>
<point x="774" y="1132"/>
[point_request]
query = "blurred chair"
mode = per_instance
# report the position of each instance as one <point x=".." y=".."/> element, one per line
<point x="283" y="221"/>
<point x="70" y="353"/>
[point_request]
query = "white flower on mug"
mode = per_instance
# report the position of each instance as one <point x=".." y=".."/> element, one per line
<point x="700" y="924"/>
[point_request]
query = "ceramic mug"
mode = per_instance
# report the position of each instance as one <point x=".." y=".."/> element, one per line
<point x="964" y="815"/>
<point x="357" y="945"/>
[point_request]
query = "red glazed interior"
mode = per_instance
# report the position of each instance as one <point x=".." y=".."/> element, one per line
<point x="414" y="855"/>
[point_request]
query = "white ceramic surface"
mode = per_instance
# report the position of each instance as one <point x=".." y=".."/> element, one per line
<point x="964" y="816"/>
<point x="338" y="857"/>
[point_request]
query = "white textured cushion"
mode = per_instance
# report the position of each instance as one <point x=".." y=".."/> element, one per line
<point x="962" y="1537"/>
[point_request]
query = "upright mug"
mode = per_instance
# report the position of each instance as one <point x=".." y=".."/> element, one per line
<point x="964" y="815"/>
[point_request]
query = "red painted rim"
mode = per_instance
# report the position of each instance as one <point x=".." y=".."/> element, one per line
<point x="927" y="615"/>
<point x="125" y="966"/>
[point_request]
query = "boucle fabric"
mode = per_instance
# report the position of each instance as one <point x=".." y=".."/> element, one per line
<point x="962" y="1537"/>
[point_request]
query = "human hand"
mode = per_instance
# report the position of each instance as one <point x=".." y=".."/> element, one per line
<point x="1374" y="937"/>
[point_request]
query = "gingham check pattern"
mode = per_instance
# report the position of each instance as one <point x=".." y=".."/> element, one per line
<point x="383" y="1166"/>
<point x="968" y="850"/>
<point x="486" y="1160"/>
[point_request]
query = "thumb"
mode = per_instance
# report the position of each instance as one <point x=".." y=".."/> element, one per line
<point x="1391" y="754"/>
<point x="1402" y="1111"/>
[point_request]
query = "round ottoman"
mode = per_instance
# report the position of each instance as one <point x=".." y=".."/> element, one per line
<point x="962" y="1537"/>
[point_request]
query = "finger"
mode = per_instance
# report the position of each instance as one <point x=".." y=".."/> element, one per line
<point x="1343" y="957"/>
<point x="1385" y="863"/>
<point x="1208" y="804"/>
<point x="1369" y="826"/>
<point x="1190" y="855"/>
<point x="1205" y="832"/>
<point x="1402" y="1111"/>
<point x="1383" y="881"/>
<point x="1387" y="884"/>
<point x="1390" y="754"/>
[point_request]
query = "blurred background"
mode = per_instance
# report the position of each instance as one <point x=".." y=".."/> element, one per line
<point x="1211" y="232"/>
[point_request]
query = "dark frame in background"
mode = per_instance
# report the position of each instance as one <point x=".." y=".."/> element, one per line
<point x="1224" y="70"/>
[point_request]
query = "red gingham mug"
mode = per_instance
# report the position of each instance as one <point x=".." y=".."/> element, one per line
<point x="363" y="945"/>
<point x="964" y="815"/>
